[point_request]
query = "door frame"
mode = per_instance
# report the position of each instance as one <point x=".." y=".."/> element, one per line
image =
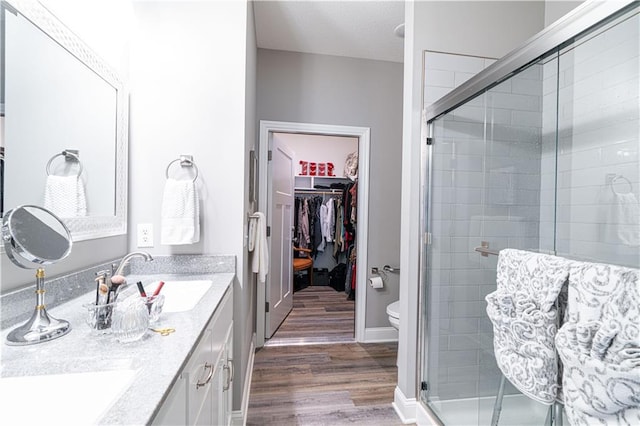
<point x="363" y="135"/>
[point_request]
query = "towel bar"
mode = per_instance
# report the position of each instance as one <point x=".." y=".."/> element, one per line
<point x="185" y="161"/>
<point x="485" y="251"/>
<point x="69" y="155"/>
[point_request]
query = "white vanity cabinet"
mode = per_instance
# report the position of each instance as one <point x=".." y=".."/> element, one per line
<point x="202" y="393"/>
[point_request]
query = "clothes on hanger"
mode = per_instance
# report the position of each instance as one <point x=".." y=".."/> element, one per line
<point x="323" y="223"/>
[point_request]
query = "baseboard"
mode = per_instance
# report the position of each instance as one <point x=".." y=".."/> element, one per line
<point x="380" y="334"/>
<point x="239" y="417"/>
<point x="405" y="407"/>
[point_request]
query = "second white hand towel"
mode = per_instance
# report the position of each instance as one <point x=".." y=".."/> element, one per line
<point x="260" y="260"/>
<point x="180" y="214"/>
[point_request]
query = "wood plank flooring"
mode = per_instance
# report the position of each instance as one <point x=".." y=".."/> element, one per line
<point x="330" y="384"/>
<point x="298" y="383"/>
<point x="320" y="315"/>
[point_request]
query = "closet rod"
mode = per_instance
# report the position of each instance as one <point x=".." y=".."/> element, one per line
<point x="311" y="192"/>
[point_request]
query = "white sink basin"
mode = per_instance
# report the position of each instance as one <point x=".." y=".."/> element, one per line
<point x="180" y="296"/>
<point x="63" y="399"/>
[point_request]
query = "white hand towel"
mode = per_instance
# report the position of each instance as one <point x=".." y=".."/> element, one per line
<point x="627" y="217"/>
<point x="252" y="234"/>
<point x="260" y="259"/>
<point x="65" y="196"/>
<point x="180" y="216"/>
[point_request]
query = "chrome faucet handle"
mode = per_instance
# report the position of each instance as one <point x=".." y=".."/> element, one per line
<point x="104" y="273"/>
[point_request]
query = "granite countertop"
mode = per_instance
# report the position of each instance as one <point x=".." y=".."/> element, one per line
<point x="156" y="360"/>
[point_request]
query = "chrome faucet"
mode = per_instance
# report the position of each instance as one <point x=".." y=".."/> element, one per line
<point x="123" y="262"/>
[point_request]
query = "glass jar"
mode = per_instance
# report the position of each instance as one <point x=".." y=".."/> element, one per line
<point x="130" y="320"/>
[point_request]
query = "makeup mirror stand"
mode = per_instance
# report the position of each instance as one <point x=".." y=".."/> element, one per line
<point x="33" y="237"/>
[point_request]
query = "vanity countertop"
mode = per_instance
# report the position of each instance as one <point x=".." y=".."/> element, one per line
<point x="156" y="360"/>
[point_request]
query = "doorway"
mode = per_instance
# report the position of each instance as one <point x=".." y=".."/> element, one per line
<point x="273" y="286"/>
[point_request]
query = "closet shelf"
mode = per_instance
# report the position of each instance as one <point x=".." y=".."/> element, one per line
<point x="308" y="183"/>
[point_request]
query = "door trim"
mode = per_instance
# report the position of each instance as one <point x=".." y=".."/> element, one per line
<point x="363" y="135"/>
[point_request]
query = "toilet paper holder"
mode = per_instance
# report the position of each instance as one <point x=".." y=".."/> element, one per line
<point x="386" y="268"/>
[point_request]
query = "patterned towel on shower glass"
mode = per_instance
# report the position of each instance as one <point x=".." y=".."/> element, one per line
<point x="524" y="318"/>
<point x="600" y="346"/>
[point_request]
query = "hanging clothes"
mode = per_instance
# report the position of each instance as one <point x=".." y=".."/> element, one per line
<point x="317" y="225"/>
<point x="328" y="220"/>
<point x="353" y="191"/>
<point x="303" y="225"/>
<point x="338" y="230"/>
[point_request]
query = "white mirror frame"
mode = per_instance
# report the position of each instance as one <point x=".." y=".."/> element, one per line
<point x="90" y="227"/>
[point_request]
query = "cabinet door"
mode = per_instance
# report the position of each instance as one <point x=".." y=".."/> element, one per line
<point x="207" y="369"/>
<point x="174" y="408"/>
<point x="227" y="386"/>
<point x="200" y="371"/>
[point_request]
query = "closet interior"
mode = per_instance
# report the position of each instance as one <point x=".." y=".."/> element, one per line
<point x="325" y="189"/>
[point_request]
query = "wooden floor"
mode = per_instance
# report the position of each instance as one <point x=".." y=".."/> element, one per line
<point x="320" y="315"/>
<point x="324" y="384"/>
<point x="298" y="383"/>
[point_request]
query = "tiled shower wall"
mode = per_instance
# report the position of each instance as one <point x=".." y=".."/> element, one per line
<point x="599" y="132"/>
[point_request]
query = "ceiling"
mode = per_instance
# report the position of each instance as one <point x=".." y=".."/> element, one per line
<point x="353" y="28"/>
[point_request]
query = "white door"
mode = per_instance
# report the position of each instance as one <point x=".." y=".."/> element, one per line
<point x="279" y="290"/>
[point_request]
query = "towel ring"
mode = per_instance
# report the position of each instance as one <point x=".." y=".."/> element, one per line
<point x="67" y="155"/>
<point x="620" y="177"/>
<point x="185" y="161"/>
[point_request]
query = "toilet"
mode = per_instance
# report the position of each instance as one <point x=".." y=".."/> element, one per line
<point x="393" y="310"/>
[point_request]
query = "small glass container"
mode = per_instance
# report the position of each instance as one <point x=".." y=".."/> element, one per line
<point x="130" y="320"/>
<point x="154" y="306"/>
<point x="99" y="317"/>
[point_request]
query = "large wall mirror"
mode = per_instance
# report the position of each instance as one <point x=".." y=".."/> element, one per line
<point x="64" y="116"/>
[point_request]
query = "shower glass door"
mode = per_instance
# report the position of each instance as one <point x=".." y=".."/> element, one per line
<point x="454" y="273"/>
<point x="518" y="206"/>
<point x="485" y="187"/>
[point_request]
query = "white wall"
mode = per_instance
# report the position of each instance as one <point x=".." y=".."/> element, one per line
<point x="323" y="89"/>
<point x="490" y="29"/>
<point x="192" y="92"/>
<point x="319" y="149"/>
<point x="481" y="28"/>
<point x="245" y="291"/>
<point x="556" y="9"/>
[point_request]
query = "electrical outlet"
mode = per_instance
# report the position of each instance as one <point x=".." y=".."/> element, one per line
<point x="145" y="235"/>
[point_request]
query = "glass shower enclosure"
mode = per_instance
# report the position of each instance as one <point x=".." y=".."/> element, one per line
<point x="545" y="158"/>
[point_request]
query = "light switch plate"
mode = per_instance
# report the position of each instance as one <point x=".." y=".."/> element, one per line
<point x="145" y="235"/>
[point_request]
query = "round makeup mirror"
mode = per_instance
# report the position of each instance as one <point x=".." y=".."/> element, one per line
<point x="33" y="237"/>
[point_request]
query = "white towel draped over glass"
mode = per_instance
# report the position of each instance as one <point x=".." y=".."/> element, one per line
<point x="524" y="317"/>
<point x="600" y="345"/>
